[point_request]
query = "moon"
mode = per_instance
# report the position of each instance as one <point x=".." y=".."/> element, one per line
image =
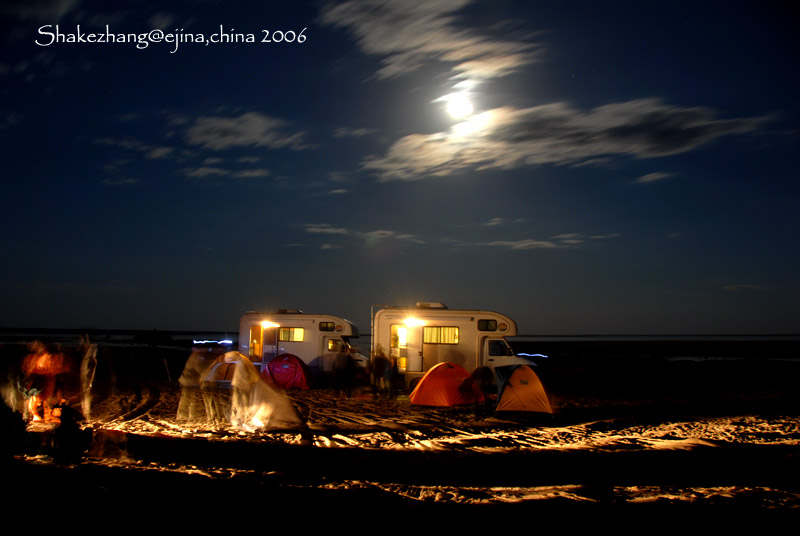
<point x="459" y="106"/>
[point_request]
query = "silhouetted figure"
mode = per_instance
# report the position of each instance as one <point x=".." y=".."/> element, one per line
<point x="380" y="371"/>
<point x="69" y="442"/>
<point x="483" y="381"/>
<point x="344" y="372"/>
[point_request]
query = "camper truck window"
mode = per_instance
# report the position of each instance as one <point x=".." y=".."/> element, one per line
<point x="336" y="345"/>
<point x="499" y="347"/>
<point x="291" y="334"/>
<point x="440" y="335"/>
<point x="487" y="324"/>
<point x="326" y="326"/>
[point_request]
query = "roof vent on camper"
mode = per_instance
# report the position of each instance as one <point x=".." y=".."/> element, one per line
<point x="431" y="305"/>
<point x="290" y="311"/>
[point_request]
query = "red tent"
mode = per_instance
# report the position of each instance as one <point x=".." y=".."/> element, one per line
<point x="287" y="371"/>
<point x="446" y="384"/>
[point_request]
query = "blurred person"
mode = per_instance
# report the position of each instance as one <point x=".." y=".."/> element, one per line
<point x="191" y="406"/>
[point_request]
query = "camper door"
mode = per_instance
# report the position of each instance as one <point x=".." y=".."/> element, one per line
<point x="263" y="342"/>
<point x="406" y="346"/>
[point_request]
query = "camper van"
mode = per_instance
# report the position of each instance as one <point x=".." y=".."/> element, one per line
<point x="312" y="338"/>
<point x="430" y="333"/>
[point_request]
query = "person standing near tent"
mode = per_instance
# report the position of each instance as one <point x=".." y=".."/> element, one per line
<point x="390" y="375"/>
<point x="379" y="365"/>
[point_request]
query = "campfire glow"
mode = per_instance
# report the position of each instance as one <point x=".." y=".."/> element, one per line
<point x="41" y="384"/>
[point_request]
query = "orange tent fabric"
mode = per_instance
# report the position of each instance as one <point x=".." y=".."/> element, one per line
<point x="446" y="384"/>
<point x="520" y="389"/>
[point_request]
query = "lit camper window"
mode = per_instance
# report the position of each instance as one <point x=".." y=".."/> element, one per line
<point x="291" y="334"/>
<point x="327" y="326"/>
<point x="440" y="335"/>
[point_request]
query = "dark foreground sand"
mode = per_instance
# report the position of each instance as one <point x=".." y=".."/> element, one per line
<point x="646" y="437"/>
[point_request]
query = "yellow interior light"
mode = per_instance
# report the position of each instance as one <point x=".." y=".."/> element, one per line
<point x="413" y="322"/>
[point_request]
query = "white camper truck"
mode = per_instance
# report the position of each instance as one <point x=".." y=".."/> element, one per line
<point x="263" y="336"/>
<point x="430" y="333"/>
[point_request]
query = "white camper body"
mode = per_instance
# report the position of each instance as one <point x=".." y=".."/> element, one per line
<point x="430" y="333"/>
<point x="263" y="336"/>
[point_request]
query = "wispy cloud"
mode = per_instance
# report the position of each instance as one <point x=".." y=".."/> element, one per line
<point x="324" y="228"/>
<point x="158" y="152"/>
<point x="411" y="33"/>
<point x="251" y="173"/>
<point x="522" y="244"/>
<point x="205" y="171"/>
<point x="384" y="234"/>
<point x="509" y="138"/>
<point x="560" y="241"/>
<point x="653" y="177"/>
<point x="343" y="237"/>
<point x="46" y="10"/>
<point x="744" y="288"/>
<point x="346" y="132"/>
<point x="571" y="239"/>
<point x="120" y="182"/>
<point x="9" y="119"/>
<point x="367" y="237"/>
<point x="161" y="20"/>
<point x="250" y="129"/>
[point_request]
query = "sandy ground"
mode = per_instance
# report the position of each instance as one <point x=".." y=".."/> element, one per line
<point x="693" y="437"/>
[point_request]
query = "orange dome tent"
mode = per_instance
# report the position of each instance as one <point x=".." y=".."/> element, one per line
<point x="520" y="389"/>
<point x="446" y="384"/>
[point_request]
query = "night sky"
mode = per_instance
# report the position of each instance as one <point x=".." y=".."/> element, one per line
<point x="584" y="167"/>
